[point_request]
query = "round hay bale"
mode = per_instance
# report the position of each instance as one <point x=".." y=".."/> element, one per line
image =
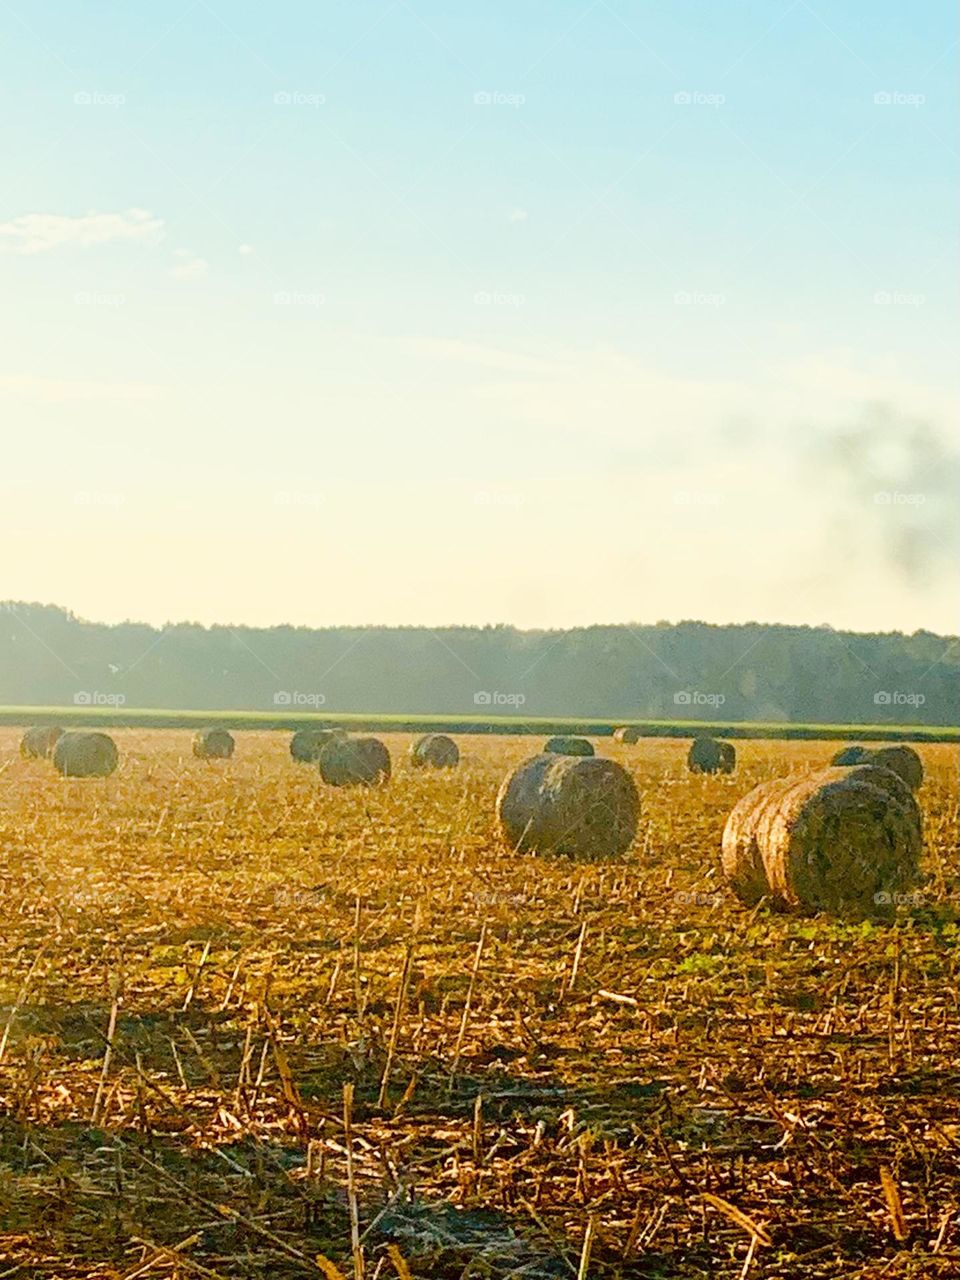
<point x="435" y="750"/>
<point x="347" y="762"/>
<point x="850" y="755"/>
<point x="581" y="806"/>
<point x="568" y="746"/>
<point x="213" y="744"/>
<point x="833" y="841"/>
<point x="85" y="755"/>
<point x="626" y="733"/>
<point x="902" y="760"/>
<point x="38" y="743"/>
<point x="710" y="755"/>
<point x="306" y="744"/>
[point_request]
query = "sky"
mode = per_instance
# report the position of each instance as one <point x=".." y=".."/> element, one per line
<point x="544" y="313"/>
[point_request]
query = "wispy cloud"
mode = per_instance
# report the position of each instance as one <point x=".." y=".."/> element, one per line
<point x="41" y="232"/>
<point x="188" y="266"/>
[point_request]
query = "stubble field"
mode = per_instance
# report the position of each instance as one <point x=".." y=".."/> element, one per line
<point x="246" y="1017"/>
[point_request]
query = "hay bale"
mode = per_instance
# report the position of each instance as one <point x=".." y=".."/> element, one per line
<point x="306" y="744"/>
<point x="850" y="755"/>
<point x="711" y="755"/>
<point x="827" y="841"/>
<point x="568" y="746"/>
<point x="902" y="760"/>
<point x="213" y="744"/>
<point x="585" y="807"/>
<point x="626" y="733"/>
<point x="38" y="743"/>
<point x="435" y="750"/>
<point x="347" y="762"/>
<point x="85" y="755"/>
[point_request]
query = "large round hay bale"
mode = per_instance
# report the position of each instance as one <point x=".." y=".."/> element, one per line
<point x="626" y="733"/>
<point x="585" y="807"/>
<point x="38" y="743"/>
<point x="346" y="762"/>
<point x="213" y="744"/>
<point x="711" y="755"/>
<point x="435" y="750"/>
<point x="568" y="746"/>
<point x="903" y="760"/>
<point x="306" y="744"/>
<point x="85" y="755"/>
<point x="827" y="841"/>
<point x="850" y="755"/>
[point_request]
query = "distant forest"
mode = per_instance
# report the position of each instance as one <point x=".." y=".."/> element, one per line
<point x="686" y="670"/>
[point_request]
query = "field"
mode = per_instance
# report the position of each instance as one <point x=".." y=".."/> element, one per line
<point x="246" y="1016"/>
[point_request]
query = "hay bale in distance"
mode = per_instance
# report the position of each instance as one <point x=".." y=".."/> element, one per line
<point x="711" y="755"/>
<point x="827" y="841"/>
<point x="902" y="760"/>
<point x="586" y="807"/>
<point x="306" y="744"/>
<point x="347" y="762"/>
<point x="213" y="744"/>
<point x="85" y="755"/>
<point x="568" y="746"/>
<point x="626" y="733"/>
<point x="38" y="743"/>
<point x="850" y="755"/>
<point x="899" y="757"/>
<point x="435" y="750"/>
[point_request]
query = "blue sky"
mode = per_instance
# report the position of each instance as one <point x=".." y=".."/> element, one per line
<point x="340" y="312"/>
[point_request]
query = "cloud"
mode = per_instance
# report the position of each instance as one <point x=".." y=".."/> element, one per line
<point x="41" y="232"/>
<point x="48" y="390"/>
<point x="517" y="215"/>
<point x="188" y="265"/>
<point x="246" y="249"/>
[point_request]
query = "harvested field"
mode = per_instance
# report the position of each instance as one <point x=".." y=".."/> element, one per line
<point x="546" y="1058"/>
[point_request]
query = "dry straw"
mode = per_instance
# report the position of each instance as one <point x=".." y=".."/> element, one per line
<point x="346" y="762"/>
<point x="85" y="755"/>
<point x="833" y="840"/>
<point x="435" y="750"/>
<point x="710" y="755"/>
<point x="213" y="744"/>
<point x="585" y="807"/>
<point x="38" y="743"/>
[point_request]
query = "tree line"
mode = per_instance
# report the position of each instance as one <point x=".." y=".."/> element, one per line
<point x="668" y="671"/>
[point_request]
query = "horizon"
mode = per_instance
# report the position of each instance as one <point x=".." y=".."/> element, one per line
<point x="11" y="606"/>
